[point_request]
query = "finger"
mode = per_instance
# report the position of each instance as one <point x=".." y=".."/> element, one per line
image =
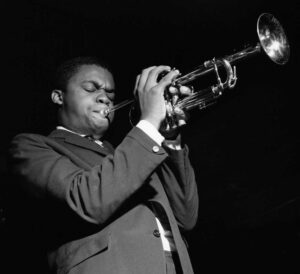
<point x="181" y="122"/>
<point x="184" y="90"/>
<point x="153" y="75"/>
<point x="143" y="78"/>
<point x="136" y="85"/>
<point x="173" y="90"/>
<point x="168" y="79"/>
<point x="180" y="116"/>
<point x="179" y="112"/>
<point x="175" y="98"/>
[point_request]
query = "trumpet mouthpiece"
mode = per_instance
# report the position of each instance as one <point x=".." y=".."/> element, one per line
<point x="105" y="112"/>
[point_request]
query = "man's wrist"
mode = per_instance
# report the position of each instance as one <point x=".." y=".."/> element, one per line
<point x="151" y="131"/>
<point x="152" y="121"/>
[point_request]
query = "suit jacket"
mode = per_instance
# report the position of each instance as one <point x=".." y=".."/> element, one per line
<point x="96" y="203"/>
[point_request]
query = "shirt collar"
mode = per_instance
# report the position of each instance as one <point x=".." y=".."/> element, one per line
<point x="63" y="128"/>
<point x="82" y="135"/>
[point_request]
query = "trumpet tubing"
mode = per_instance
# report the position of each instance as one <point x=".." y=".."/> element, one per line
<point x="272" y="41"/>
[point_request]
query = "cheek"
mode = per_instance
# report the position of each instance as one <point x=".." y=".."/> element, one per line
<point x="88" y="108"/>
<point x="83" y="106"/>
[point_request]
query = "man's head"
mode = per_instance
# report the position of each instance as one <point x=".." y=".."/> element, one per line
<point x="84" y="87"/>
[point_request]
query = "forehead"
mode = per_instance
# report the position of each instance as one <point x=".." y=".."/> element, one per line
<point x="93" y="73"/>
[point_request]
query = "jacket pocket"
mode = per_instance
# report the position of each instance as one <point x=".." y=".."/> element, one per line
<point x="73" y="253"/>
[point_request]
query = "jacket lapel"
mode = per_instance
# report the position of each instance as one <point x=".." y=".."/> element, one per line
<point x="74" y="139"/>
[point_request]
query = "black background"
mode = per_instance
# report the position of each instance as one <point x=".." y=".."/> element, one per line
<point x="245" y="149"/>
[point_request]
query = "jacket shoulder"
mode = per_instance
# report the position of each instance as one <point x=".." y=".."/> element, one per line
<point x="29" y="142"/>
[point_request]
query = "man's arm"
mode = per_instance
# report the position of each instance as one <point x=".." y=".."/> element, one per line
<point x="96" y="194"/>
<point x="177" y="175"/>
<point x="180" y="185"/>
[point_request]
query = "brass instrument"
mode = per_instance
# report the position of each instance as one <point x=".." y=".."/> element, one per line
<point x="272" y="41"/>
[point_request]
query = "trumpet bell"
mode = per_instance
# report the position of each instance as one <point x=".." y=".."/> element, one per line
<point x="273" y="39"/>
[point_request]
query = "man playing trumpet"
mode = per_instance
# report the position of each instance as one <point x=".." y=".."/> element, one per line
<point x="110" y="210"/>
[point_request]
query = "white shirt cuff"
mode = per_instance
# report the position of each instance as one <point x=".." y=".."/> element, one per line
<point x="151" y="131"/>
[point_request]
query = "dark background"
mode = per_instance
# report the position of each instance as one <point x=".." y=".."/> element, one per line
<point x="245" y="149"/>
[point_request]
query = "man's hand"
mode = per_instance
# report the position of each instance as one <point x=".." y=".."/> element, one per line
<point x="176" y="117"/>
<point x="150" y="92"/>
<point x="176" y="94"/>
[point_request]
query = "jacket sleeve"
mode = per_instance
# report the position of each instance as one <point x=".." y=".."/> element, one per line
<point x="96" y="193"/>
<point x="180" y="185"/>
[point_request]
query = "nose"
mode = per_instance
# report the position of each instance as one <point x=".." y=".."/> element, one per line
<point x="102" y="99"/>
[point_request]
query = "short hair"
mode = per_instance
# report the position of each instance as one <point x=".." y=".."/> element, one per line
<point x="68" y="68"/>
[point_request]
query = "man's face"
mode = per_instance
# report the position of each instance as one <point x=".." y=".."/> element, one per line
<point x="88" y="92"/>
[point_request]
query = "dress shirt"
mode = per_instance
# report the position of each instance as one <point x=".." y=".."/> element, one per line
<point x="154" y="134"/>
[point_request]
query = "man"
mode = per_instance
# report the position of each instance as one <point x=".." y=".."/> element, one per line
<point x="105" y="210"/>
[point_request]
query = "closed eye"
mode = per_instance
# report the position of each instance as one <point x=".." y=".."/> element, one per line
<point x="92" y="86"/>
<point x="89" y="87"/>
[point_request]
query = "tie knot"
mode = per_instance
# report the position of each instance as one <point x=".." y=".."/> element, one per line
<point x="91" y="138"/>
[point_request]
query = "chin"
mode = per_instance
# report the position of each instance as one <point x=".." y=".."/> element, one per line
<point x="99" y="126"/>
<point x="100" y="129"/>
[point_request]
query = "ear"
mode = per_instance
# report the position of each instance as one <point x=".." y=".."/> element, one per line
<point x="57" y="96"/>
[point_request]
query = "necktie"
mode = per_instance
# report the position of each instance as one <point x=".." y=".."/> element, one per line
<point x="91" y="138"/>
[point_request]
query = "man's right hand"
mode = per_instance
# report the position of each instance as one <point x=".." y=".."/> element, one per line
<point x="150" y="92"/>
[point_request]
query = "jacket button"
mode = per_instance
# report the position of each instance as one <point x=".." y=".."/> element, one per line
<point x="155" y="149"/>
<point x="156" y="233"/>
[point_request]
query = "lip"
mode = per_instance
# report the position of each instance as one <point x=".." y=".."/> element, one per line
<point x="101" y="112"/>
<point x="98" y="111"/>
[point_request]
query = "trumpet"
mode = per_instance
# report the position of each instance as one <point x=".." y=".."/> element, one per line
<point x="272" y="41"/>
